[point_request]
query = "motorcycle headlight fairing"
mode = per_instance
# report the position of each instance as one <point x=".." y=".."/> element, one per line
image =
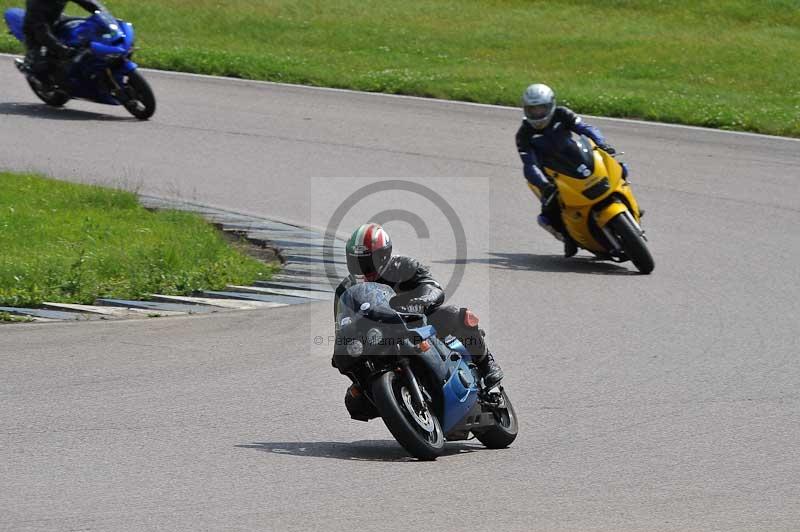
<point x="355" y="348"/>
<point x="374" y="336"/>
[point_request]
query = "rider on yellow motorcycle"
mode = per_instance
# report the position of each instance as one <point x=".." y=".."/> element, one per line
<point x="545" y="128"/>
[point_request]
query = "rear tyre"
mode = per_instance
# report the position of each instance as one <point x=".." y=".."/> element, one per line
<point x="142" y="103"/>
<point x="632" y="243"/>
<point x="419" y="434"/>
<point x="53" y="98"/>
<point x="505" y="430"/>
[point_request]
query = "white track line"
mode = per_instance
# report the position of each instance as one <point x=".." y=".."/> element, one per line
<point x="449" y="102"/>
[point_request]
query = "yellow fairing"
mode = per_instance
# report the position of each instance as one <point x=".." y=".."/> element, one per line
<point x="608" y="212"/>
<point x="577" y="207"/>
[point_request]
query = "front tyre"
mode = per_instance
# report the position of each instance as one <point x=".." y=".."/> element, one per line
<point x="419" y="433"/>
<point x="142" y="102"/>
<point x="506" y="426"/>
<point x="632" y="242"/>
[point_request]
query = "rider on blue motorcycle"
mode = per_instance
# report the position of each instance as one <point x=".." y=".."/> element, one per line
<point x="369" y="258"/>
<point x="46" y="53"/>
<point x="544" y="129"/>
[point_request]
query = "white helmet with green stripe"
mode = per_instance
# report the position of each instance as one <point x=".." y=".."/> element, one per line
<point x="368" y="251"/>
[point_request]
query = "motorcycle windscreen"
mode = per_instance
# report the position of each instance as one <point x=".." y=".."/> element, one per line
<point x="572" y="158"/>
<point x="109" y="30"/>
<point x="355" y="315"/>
<point x="363" y="297"/>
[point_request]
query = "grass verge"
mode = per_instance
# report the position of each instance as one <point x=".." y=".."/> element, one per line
<point x="7" y="317"/>
<point x="730" y="64"/>
<point x="70" y="243"/>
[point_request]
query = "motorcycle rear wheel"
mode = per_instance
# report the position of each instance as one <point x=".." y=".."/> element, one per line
<point x="50" y="97"/>
<point x="405" y="426"/>
<point x="505" y="430"/>
<point x="142" y="104"/>
<point x="632" y="243"/>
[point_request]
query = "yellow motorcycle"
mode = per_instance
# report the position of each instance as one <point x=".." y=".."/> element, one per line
<point x="598" y="208"/>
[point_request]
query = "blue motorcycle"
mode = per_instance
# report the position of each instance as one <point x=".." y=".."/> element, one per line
<point x="426" y="389"/>
<point x="101" y="70"/>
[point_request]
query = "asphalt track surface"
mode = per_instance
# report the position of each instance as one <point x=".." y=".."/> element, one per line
<point x="661" y="402"/>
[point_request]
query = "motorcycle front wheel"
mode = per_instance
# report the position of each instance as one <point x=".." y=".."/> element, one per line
<point x="632" y="243"/>
<point x="142" y="103"/>
<point x="419" y="433"/>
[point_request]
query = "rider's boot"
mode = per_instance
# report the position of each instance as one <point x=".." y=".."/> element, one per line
<point x="36" y="66"/>
<point x="570" y="247"/>
<point x="490" y="371"/>
<point x="358" y="406"/>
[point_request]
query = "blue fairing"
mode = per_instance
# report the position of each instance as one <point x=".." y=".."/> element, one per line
<point x="425" y="332"/>
<point x="127" y="29"/>
<point x="458" y="399"/>
<point x="110" y="41"/>
<point x="127" y="66"/>
<point x="15" y="18"/>
<point x="444" y="364"/>
<point x="456" y="345"/>
<point x="101" y="49"/>
<point x="434" y="362"/>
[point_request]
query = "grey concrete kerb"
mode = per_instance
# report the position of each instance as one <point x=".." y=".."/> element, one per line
<point x="303" y="279"/>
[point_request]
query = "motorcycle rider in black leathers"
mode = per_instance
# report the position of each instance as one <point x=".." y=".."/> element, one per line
<point x="369" y="257"/>
<point x="46" y="54"/>
<point x="544" y="130"/>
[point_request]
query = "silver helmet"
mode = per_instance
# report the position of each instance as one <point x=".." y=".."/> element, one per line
<point x="539" y="104"/>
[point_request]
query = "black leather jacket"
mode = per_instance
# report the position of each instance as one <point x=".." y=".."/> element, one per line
<point x="534" y="145"/>
<point x="409" y="278"/>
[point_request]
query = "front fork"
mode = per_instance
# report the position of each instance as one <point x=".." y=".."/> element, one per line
<point x="417" y="396"/>
<point x="612" y="238"/>
<point x="117" y="91"/>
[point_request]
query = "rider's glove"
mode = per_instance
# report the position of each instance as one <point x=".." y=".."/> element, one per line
<point x="63" y="51"/>
<point x="415" y="305"/>
<point x="415" y="308"/>
<point x="608" y="149"/>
